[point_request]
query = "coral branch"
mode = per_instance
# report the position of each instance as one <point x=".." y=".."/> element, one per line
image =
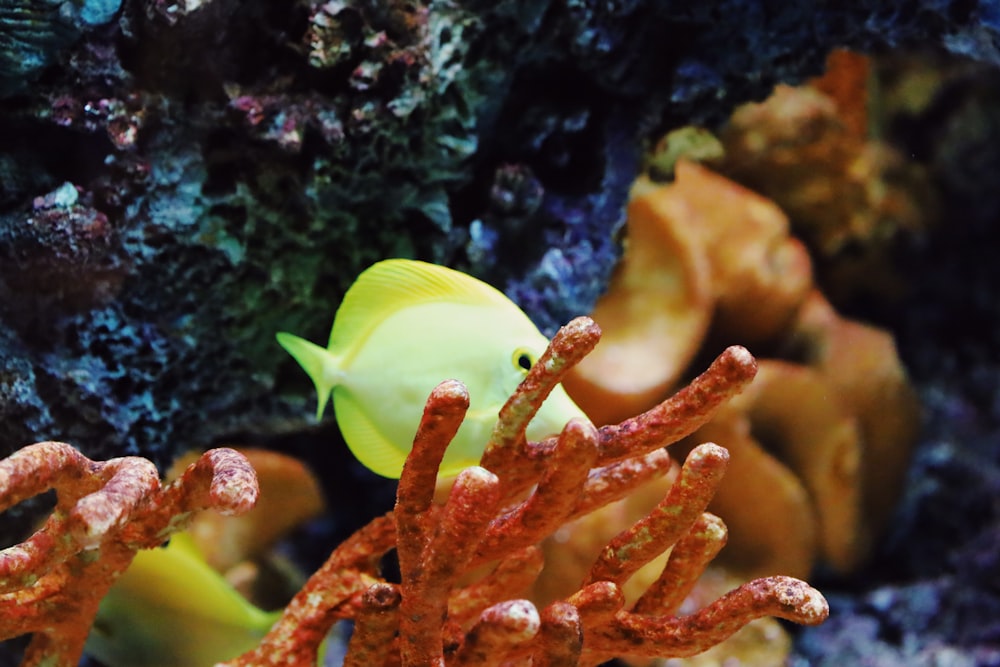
<point x="682" y="413"/>
<point x="468" y="510"/>
<point x="617" y="480"/>
<point x="508" y="454"/>
<point x="42" y="466"/>
<point x="51" y="584"/>
<point x="560" y="640"/>
<point x="687" y="561"/>
<point x="514" y="574"/>
<point x="570" y="344"/>
<point x="669" y="521"/>
<point x="598" y="603"/>
<point x="520" y="463"/>
<point x="333" y="592"/>
<point x="126" y="484"/>
<point x="652" y="636"/>
<point x="446" y="408"/>
<point x="552" y="501"/>
<point x="502" y="629"/>
<point x="83" y="508"/>
<point x="375" y="626"/>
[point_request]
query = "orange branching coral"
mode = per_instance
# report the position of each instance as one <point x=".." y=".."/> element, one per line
<point x="289" y="495"/>
<point x="659" y="299"/>
<point x="436" y="616"/>
<point x="51" y="584"/>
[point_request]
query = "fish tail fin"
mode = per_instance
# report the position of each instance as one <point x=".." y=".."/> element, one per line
<point x="319" y="363"/>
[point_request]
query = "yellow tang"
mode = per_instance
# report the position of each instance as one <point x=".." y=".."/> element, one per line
<point x="406" y="326"/>
<point x="171" y="609"/>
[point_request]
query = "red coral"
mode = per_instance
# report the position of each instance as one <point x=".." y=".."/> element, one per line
<point x="441" y="614"/>
<point x="51" y="584"/>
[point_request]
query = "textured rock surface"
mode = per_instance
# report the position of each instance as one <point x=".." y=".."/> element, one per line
<point x="236" y="164"/>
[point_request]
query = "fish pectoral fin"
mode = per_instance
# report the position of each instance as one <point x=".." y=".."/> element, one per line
<point x="366" y="442"/>
<point x="318" y="362"/>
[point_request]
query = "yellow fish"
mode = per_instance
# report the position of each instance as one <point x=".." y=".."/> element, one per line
<point x="406" y="326"/>
<point x="171" y="609"/>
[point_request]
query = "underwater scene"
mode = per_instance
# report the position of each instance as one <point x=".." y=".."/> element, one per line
<point x="513" y="333"/>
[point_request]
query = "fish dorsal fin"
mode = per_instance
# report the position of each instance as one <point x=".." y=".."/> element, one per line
<point x="390" y="285"/>
<point x="367" y="444"/>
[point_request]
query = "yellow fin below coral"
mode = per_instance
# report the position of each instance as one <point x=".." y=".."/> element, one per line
<point x="170" y="609"/>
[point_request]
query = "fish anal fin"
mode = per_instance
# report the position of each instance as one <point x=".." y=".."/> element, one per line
<point x="366" y="442"/>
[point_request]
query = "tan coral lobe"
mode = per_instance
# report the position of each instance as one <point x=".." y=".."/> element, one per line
<point x="826" y="445"/>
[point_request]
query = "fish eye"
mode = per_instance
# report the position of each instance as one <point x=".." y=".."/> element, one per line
<point x="523" y="359"/>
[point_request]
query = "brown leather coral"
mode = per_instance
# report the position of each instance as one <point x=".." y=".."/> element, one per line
<point x="864" y="370"/>
<point x="798" y="419"/>
<point x="700" y="250"/>
<point x="760" y="487"/>
<point x="821" y="438"/>
<point x="842" y="423"/>
<point x="759" y="273"/>
<point x="848" y="195"/>
<point x="660" y="299"/>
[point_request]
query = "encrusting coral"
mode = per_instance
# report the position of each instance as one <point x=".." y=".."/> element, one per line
<point x="435" y="616"/>
<point x="51" y="584"/>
